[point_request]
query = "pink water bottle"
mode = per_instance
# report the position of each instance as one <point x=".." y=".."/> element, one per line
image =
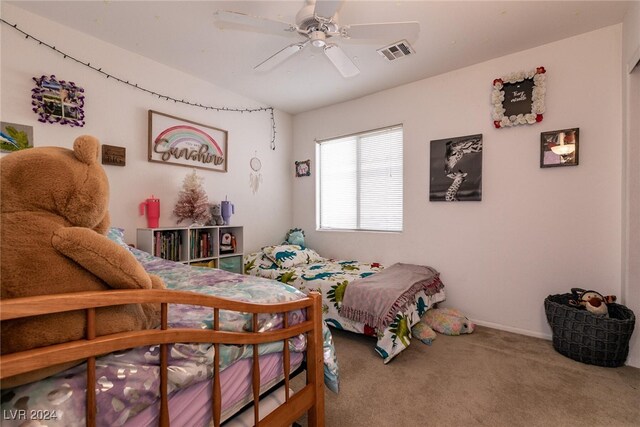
<point x="153" y="211"/>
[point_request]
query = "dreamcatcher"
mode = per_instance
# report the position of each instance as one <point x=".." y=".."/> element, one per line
<point x="255" y="177"/>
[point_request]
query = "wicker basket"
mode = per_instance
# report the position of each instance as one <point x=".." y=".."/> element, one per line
<point x="587" y="338"/>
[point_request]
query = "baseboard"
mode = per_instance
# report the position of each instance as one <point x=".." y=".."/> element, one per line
<point x="631" y="361"/>
<point x="512" y="329"/>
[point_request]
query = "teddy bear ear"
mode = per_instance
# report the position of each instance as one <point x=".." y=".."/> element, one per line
<point x="85" y="148"/>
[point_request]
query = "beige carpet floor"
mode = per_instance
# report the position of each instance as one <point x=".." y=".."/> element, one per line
<point x="488" y="378"/>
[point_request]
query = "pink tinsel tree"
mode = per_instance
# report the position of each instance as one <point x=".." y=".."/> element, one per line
<point x="193" y="202"/>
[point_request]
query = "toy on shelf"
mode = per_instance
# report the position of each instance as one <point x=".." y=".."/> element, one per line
<point x="216" y="215"/>
<point x="227" y="243"/>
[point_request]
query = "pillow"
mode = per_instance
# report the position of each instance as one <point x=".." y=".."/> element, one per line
<point x="257" y="260"/>
<point x="287" y="256"/>
<point x="423" y="332"/>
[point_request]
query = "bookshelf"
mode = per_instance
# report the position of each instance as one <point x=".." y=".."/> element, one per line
<point x="198" y="246"/>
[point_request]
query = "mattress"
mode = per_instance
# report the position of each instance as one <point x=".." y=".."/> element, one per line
<point x="192" y="406"/>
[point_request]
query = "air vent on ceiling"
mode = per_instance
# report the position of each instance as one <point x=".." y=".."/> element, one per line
<point x="396" y="50"/>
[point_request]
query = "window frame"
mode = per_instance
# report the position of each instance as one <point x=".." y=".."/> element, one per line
<point x="318" y="168"/>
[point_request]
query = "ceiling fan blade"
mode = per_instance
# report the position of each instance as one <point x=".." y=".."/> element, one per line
<point x="341" y="61"/>
<point x="327" y="8"/>
<point x="386" y="31"/>
<point x="280" y="56"/>
<point x="255" y="22"/>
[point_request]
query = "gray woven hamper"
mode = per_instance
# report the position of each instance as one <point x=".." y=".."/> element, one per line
<point x="587" y="338"/>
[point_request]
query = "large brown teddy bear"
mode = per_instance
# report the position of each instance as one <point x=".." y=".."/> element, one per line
<point x="53" y="225"/>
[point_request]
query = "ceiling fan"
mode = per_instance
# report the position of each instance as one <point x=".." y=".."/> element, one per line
<point x="318" y="23"/>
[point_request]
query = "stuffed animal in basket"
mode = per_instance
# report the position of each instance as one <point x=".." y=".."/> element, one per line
<point x="448" y="321"/>
<point x="54" y="221"/>
<point x="593" y="301"/>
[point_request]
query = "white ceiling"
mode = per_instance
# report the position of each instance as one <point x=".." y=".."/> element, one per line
<point x="454" y="34"/>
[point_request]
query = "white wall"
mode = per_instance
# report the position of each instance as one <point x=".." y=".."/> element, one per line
<point x="631" y="171"/>
<point x="117" y="115"/>
<point x="499" y="258"/>
<point x="536" y="231"/>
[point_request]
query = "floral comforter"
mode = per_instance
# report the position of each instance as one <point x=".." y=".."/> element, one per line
<point x="128" y="381"/>
<point x="331" y="278"/>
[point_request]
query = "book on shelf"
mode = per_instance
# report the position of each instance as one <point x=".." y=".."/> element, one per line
<point x="201" y="244"/>
<point x="168" y="244"/>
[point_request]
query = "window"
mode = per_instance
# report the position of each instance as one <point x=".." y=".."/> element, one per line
<point x="360" y="181"/>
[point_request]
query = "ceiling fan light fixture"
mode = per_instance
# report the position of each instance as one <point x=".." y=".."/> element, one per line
<point x="318" y="39"/>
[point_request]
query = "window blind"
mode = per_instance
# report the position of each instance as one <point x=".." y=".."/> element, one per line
<point x="360" y="181"/>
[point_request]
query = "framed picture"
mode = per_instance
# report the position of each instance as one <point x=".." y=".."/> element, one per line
<point x="559" y="148"/>
<point x="456" y="169"/>
<point x="518" y="98"/>
<point x="181" y="142"/>
<point x="303" y="168"/>
<point x="14" y="137"/>
<point x="58" y="101"/>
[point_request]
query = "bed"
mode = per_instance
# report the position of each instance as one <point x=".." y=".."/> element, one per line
<point x="307" y="271"/>
<point x="220" y="347"/>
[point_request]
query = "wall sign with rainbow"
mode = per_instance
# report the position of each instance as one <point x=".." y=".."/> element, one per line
<point x="182" y="142"/>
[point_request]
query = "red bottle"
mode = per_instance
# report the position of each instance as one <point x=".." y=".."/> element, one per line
<point x="153" y="211"/>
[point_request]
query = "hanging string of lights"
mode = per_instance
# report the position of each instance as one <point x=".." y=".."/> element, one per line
<point x="149" y="91"/>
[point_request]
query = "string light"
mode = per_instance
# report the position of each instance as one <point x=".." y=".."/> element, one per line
<point x="159" y="95"/>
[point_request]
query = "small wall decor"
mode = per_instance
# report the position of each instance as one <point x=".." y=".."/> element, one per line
<point x="255" y="177"/>
<point x="518" y="98"/>
<point x="112" y="155"/>
<point x="14" y="137"/>
<point x="176" y="141"/>
<point x="559" y="148"/>
<point x="303" y="168"/>
<point x="58" y="101"/>
<point x="456" y="169"/>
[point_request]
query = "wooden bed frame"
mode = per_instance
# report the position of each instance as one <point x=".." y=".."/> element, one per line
<point x="309" y="399"/>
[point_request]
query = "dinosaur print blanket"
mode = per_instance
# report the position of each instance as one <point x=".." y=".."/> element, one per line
<point x="331" y="279"/>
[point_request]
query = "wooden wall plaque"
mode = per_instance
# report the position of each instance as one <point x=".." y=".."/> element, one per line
<point x="112" y="155"/>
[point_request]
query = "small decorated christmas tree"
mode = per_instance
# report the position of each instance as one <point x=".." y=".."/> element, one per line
<point x="193" y="203"/>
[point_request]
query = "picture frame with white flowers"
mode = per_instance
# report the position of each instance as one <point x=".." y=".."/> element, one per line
<point x="518" y="98"/>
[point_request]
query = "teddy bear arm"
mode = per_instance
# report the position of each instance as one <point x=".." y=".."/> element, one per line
<point x="107" y="260"/>
<point x="103" y="226"/>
